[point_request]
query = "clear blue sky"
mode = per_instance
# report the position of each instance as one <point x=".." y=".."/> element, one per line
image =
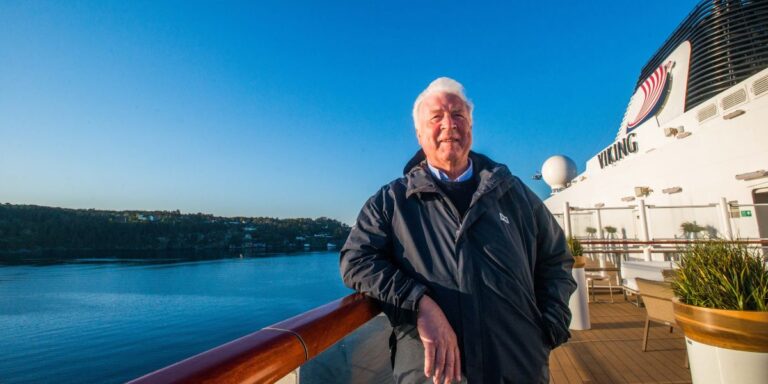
<point x="297" y="109"/>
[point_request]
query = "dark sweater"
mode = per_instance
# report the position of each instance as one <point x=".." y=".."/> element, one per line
<point x="460" y="193"/>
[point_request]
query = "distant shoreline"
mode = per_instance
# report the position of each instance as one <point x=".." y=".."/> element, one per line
<point x="31" y="229"/>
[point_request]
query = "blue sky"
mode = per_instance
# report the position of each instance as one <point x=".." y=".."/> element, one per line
<point x="297" y="109"/>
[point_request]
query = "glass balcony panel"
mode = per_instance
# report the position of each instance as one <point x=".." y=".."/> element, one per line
<point x="360" y="357"/>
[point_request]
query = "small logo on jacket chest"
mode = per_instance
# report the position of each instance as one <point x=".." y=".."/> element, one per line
<point x="503" y="218"/>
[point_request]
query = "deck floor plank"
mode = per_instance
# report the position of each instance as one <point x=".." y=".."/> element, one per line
<point x="569" y="371"/>
<point x="665" y="353"/>
<point x="610" y="351"/>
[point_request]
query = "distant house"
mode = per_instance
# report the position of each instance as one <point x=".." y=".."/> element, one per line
<point x="141" y="217"/>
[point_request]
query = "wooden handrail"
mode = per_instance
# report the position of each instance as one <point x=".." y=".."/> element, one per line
<point x="267" y="355"/>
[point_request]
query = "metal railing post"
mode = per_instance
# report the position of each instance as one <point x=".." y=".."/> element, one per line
<point x="644" y="233"/>
<point x="725" y="219"/>
<point x="601" y="256"/>
<point x="599" y="225"/>
<point x="567" y="219"/>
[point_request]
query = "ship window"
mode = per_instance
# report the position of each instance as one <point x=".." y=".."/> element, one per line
<point x="760" y="86"/>
<point x="734" y="99"/>
<point x="707" y="112"/>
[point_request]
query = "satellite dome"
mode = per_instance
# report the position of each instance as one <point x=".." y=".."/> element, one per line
<point x="557" y="171"/>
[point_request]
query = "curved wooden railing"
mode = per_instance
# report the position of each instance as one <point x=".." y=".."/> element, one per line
<point x="267" y="355"/>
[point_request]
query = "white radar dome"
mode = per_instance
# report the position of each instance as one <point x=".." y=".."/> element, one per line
<point x="557" y="171"/>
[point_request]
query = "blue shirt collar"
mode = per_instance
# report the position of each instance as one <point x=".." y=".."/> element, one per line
<point x="440" y="175"/>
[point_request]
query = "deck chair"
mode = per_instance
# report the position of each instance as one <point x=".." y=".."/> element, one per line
<point x="657" y="297"/>
<point x="592" y="277"/>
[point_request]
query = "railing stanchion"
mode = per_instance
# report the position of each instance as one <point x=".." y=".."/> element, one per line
<point x="644" y="235"/>
<point x="600" y="234"/>
<point x="567" y="219"/>
<point x="725" y="218"/>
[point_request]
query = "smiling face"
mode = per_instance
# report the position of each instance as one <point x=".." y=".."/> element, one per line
<point x="445" y="132"/>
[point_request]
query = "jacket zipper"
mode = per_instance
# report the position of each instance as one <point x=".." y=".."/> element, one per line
<point x="453" y="211"/>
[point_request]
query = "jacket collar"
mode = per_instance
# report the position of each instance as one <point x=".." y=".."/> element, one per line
<point x="489" y="173"/>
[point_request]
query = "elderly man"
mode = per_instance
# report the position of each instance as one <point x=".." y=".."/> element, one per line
<point x="468" y="264"/>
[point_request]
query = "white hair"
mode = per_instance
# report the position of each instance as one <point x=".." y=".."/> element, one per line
<point x="441" y="85"/>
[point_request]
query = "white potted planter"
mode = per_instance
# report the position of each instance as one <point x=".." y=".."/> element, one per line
<point x="578" y="303"/>
<point x="722" y="307"/>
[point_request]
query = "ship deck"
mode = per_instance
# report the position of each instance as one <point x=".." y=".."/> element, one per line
<point x="611" y="352"/>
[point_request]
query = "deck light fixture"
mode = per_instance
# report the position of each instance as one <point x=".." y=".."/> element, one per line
<point x="628" y="198"/>
<point x="599" y="205"/>
<point x="673" y="131"/>
<point x="752" y="175"/>
<point x="672" y="190"/>
<point x="734" y="114"/>
<point x="642" y="191"/>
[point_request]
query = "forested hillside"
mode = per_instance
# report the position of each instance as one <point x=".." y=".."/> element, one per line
<point x="36" y="228"/>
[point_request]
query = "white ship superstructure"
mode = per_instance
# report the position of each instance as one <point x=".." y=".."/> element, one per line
<point x="693" y="144"/>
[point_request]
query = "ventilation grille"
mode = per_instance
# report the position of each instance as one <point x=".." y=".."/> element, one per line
<point x="734" y="99"/>
<point x="706" y="113"/>
<point x="760" y="86"/>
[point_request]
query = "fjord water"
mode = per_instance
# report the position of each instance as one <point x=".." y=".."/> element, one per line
<point x="111" y="320"/>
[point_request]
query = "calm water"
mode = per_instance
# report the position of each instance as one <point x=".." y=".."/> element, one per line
<point x="111" y="320"/>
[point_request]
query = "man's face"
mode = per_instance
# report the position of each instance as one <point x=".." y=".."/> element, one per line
<point x="444" y="130"/>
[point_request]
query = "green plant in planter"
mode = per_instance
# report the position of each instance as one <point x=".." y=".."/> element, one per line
<point x="574" y="245"/>
<point x="591" y="231"/>
<point x="722" y="275"/>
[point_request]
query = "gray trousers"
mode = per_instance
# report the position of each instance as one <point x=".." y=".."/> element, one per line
<point x="408" y="358"/>
<point x="407" y="354"/>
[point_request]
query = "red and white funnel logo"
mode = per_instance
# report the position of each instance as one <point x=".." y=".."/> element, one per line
<point x="648" y="97"/>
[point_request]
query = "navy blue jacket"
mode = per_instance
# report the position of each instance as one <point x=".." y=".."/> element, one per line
<point x="501" y="274"/>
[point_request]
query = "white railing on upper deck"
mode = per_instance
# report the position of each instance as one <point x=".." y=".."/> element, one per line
<point x="641" y="222"/>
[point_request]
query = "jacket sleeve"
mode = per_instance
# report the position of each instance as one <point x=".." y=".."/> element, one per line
<point x="553" y="281"/>
<point x="367" y="264"/>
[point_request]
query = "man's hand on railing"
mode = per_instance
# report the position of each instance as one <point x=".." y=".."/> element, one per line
<point x="442" y="361"/>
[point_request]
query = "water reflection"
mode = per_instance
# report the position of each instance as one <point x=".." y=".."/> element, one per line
<point x="133" y="257"/>
<point x="87" y="317"/>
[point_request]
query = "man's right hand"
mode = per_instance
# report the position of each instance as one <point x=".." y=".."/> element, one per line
<point x="442" y="361"/>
